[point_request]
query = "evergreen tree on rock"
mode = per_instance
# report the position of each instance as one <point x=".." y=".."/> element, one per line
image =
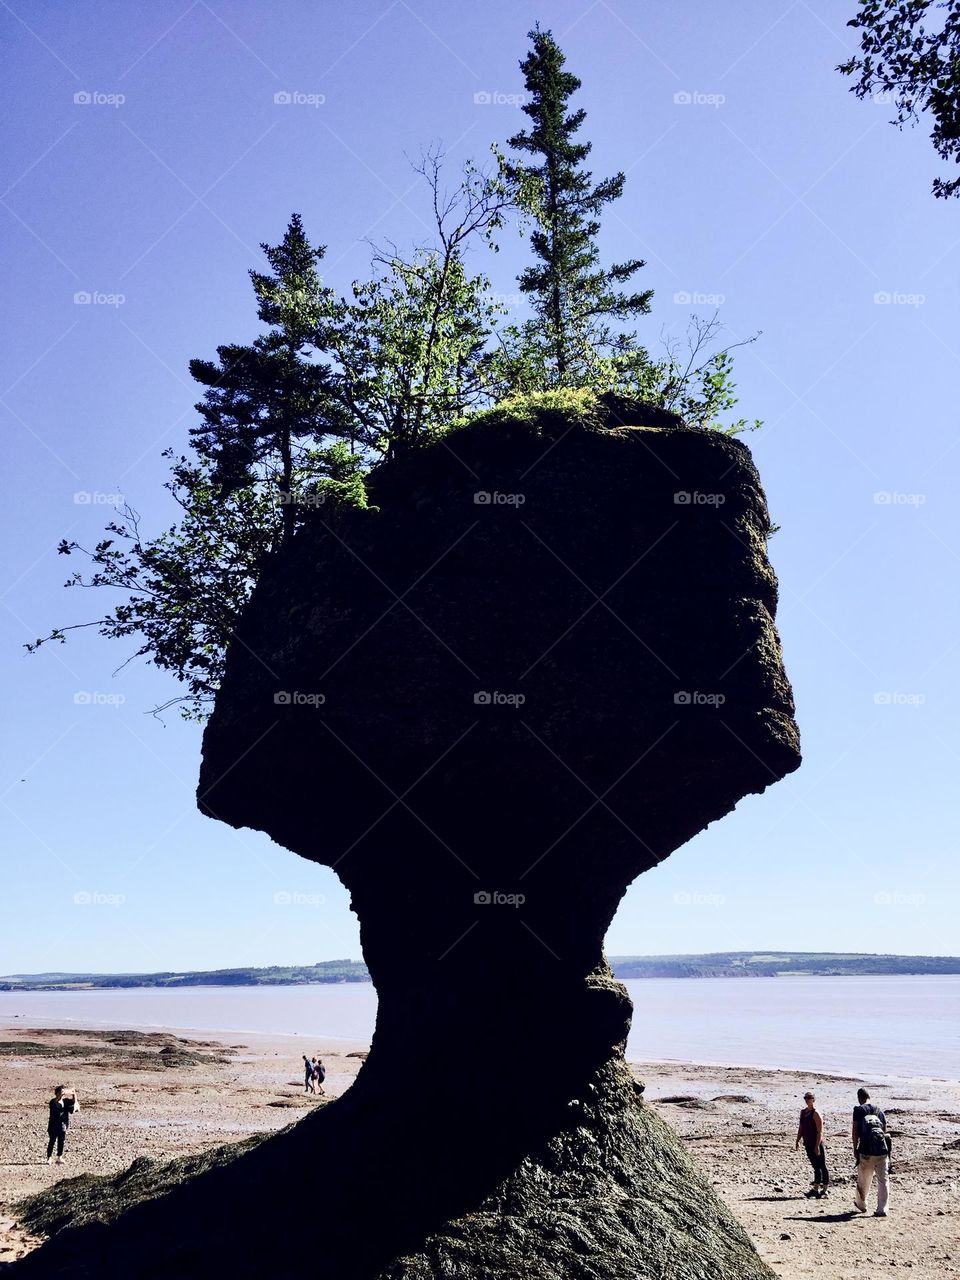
<point x="577" y="302"/>
<point x="268" y="405"/>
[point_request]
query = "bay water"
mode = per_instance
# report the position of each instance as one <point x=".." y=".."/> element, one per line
<point x="903" y="1026"/>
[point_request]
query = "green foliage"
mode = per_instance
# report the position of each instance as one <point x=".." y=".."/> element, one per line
<point x="183" y="590"/>
<point x="291" y="422"/>
<point x="411" y="349"/>
<point x="540" y="411"/>
<point x="289" y="426"/>
<point x="917" y="67"/>
<point x="267" y="406"/>
<point x="333" y="478"/>
<point x="574" y="298"/>
<point x="693" y="378"/>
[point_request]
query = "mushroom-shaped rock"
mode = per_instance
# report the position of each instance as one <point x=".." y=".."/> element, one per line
<point x="538" y="663"/>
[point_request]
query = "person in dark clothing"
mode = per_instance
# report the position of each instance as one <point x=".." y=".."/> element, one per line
<point x="314" y="1081"/>
<point x="57" y="1125"/>
<point x="307" y="1075"/>
<point x="810" y="1133"/>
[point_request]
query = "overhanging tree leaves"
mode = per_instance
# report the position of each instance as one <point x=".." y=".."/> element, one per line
<point x="270" y="448"/>
<point x="911" y="50"/>
<point x="183" y="590"/>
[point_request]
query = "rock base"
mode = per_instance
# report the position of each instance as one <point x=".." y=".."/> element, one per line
<point x="428" y="1183"/>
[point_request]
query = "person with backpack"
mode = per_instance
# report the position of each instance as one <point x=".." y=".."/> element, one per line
<point x="810" y="1133"/>
<point x="871" y="1147"/>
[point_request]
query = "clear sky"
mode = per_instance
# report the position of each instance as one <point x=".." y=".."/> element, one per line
<point x="766" y="182"/>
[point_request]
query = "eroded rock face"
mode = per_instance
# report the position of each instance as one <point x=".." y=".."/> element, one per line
<point x="537" y="670"/>
<point x="544" y="663"/>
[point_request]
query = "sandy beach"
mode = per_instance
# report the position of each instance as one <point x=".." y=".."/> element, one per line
<point x="739" y="1124"/>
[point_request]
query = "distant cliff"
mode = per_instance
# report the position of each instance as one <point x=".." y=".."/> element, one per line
<point x="720" y="964"/>
<point x="779" y="964"/>
<point x="274" y="975"/>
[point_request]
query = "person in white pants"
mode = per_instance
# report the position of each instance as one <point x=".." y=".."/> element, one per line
<point x="871" y="1148"/>
<point x="868" y="1166"/>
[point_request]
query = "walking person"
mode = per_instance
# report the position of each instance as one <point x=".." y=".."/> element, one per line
<point x="810" y="1133"/>
<point x="871" y="1148"/>
<point x="57" y="1123"/>
<point x="319" y="1074"/>
<point x="307" y="1075"/>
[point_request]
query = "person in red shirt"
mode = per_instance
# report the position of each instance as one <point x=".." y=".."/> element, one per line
<point x="810" y="1133"/>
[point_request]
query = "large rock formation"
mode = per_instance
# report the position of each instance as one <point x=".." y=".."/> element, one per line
<point x="545" y="660"/>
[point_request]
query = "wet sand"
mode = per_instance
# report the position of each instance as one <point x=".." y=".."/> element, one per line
<point x="739" y="1123"/>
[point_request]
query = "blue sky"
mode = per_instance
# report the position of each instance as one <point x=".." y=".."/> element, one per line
<point x="753" y="174"/>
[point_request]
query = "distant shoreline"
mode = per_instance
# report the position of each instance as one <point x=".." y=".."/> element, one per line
<point x="740" y="964"/>
<point x="814" y="1024"/>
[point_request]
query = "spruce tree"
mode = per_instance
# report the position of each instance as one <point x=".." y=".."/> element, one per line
<point x="268" y="405"/>
<point x="576" y="301"/>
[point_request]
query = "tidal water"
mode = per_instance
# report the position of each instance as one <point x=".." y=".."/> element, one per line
<point x="875" y="1027"/>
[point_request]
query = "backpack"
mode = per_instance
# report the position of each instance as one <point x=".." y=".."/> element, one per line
<point x="873" y="1139"/>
